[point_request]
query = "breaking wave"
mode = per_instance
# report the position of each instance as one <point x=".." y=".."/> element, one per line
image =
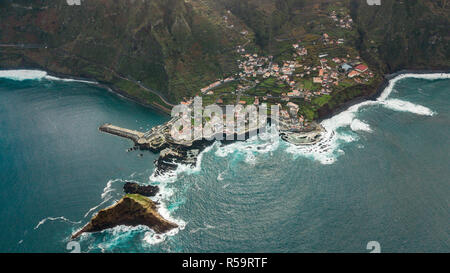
<point x="264" y="143"/>
<point x="122" y="233"/>
<point x="60" y="218"/>
<point x="358" y="125"/>
<point x="327" y="150"/>
<point x="22" y="75"/>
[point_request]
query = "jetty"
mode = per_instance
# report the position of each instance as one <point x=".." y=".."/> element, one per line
<point x="154" y="139"/>
<point x="159" y="138"/>
<point x="122" y="132"/>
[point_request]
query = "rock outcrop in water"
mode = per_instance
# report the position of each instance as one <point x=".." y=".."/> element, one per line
<point x="131" y="210"/>
<point x="135" y="188"/>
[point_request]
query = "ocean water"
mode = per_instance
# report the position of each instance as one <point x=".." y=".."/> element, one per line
<point x="381" y="174"/>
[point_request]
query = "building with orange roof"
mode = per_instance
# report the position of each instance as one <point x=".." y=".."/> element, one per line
<point x="361" y="68"/>
<point x="353" y="74"/>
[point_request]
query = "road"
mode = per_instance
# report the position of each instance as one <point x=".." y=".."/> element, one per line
<point x="37" y="46"/>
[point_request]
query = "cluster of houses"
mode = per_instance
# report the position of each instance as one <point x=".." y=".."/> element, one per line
<point x="328" y="41"/>
<point x="328" y="74"/>
<point x="342" y="21"/>
<point x="356" y="70"/>
<point x="289" y="118"/>
<point x="253" y="65"/>
<point x="208" y="89"/>
<point x="227" y="24"/>
<point x="301" y="51"/>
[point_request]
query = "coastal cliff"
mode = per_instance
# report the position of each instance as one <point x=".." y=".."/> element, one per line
<point x="131" y="210"/>
<point x="168" y="50"/>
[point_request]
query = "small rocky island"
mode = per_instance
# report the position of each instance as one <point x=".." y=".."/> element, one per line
<point x="131" y="210"/>
<point x="134" y="188"/>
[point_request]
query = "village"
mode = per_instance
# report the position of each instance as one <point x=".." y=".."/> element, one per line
<point x="298" y="84"/>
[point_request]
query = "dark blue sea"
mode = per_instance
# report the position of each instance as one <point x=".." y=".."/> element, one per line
<point x="383" y="175"/>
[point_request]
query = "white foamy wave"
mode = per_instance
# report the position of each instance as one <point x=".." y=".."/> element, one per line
<point x="60" y="218"/>
<point x="51" y="78"/>
<point x="23" y="74"/>
<point x="153" y="238"/>
<point x="116" y="236"/>
<point x="326" y="150"/>
<point x="166" y="193"/>
<point x="431" y="76"/>
<point x="122" y="231"/>
<point x="96" y="207"/>
<point x="205" y="227"/>
<point x="358" y="125"/>
<point x="109" y="190"/>
<point x="323" y="151"/>
<point x="172" y="176"/>
<point x="406" y="106"/>
<point x="110" y="193"/>
<point x="263" y="143"/>
<point x="220" y="176"/>
<point x="346" y="117"/>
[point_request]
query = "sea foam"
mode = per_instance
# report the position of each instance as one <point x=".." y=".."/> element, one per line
<point x="60" y="218"/>
<point x="327" y="150"/>
<point x="22" y="75"/>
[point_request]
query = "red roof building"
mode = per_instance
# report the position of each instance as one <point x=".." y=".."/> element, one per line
<point x="361" y="68"/>
<point x="353" y="74"/>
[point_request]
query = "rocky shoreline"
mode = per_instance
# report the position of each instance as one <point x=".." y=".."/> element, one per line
<point x="134" y="188"/>
<point x="374" y="95"/>
<point x="131" y="210"/>
<point x="326" y="115"/>
<point x="108" y="86"/>
<point x="136" y="209"/>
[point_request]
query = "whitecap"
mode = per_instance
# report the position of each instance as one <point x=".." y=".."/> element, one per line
<point x="24" y="74"/>
<point x="406" y="106"/>
<point x="205" y="227"/>
<point x="325" y="150"/>
<point x="96" y="207"/>
<point x="60" y="218"/>
<point x="220" y="176"/>
<point x="21" y="75"/>
<point x="431" y="76"/>
<point x="264" y="143"/>
<point x="358" y="125"/>
<point x="172" y="176"/>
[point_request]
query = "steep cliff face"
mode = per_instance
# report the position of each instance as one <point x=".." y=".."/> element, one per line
<point x="169" y="46"/>
<point x="396" y="35"/>
<point x="175" y="47"/>
<point x="400" y="35"/>
<point x="131" y="210"/>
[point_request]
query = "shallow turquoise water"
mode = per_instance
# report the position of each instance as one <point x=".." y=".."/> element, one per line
<point x="390" y="184"/>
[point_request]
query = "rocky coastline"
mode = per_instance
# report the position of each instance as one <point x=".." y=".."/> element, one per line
<point x="136" y="209"/>
<point x="135" y="188"/>
<point x="326" y="113"/>
<point x="131" y="210"/>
